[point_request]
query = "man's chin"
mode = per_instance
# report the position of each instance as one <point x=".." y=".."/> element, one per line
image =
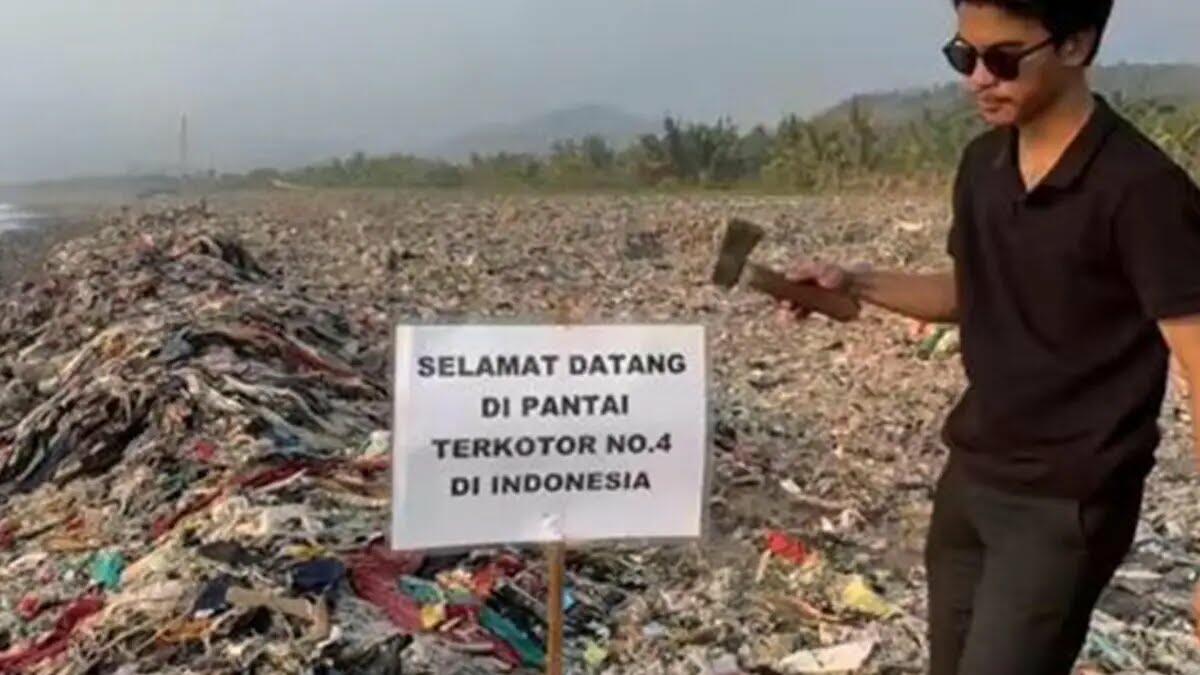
<point x="999" y="116"/>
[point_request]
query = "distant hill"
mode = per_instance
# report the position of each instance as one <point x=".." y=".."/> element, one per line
<point x="1171" y="83"/>
<point x="535" y="135"/>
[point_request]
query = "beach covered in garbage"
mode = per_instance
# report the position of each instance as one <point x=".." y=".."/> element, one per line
<point x="194" y="439"/>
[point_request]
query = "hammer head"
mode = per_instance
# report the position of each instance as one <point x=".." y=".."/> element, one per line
<point x="740" y="238"/>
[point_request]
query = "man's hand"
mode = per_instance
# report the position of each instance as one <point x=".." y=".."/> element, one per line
<point x="825" y="275"/>
<point x="929" y="297"/>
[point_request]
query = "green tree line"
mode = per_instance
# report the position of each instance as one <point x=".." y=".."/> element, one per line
<point x="797" y="155"/>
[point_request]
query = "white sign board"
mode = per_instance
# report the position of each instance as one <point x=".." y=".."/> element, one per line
<point x="540" y="433"/>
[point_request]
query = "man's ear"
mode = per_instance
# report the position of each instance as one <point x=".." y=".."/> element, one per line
<point x="1076" y="49"/>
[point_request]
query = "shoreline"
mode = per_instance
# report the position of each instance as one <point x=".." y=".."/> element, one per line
<point x="58" y="215"/>
<point x="24" y="249"/>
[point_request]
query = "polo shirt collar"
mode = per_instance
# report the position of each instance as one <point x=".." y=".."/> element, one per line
<point x="1079" y="153"/>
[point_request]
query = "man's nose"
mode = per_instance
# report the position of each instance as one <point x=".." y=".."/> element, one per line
<point x="981" y="78"/>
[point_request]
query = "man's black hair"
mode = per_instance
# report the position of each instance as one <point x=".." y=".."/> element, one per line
<point x="1062" y="18"/>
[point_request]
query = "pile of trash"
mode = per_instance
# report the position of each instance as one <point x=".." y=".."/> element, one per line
<point x="194" y="448"/>
<point x="194" y="477"/>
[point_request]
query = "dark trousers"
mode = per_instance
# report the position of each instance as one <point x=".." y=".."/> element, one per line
<point x="1013" y="579"/>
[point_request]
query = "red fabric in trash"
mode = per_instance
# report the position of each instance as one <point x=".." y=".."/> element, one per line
<point x="29" y="607"/>
<point x="468" y="613"/>
<point x="786" y="546"/>
<point x="204" y="451"/>
<point x="484" y="580"/>
<point x="278" y="473"/>
<point x="57" y="641"/>
<point x="509" y="564"/>
<point x="292" y="351"/>
<point x="257" y="479"/>
<point x="474" y="634"/>
<point x="165" y="524"/>
<point x="374" y="572"/>
<point x="505" y="651"/>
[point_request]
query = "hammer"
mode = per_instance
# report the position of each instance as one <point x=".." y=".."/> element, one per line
<point x="740" y="238"/>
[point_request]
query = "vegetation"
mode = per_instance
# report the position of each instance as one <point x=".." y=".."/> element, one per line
<point x="834" y="151"/>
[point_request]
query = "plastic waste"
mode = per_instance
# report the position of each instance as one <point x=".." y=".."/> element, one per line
<point x="317" y="576"/>
<point x="213" y="598"/>
<point x="106" y="569"/>
<point x="843" y="658"/>
<point x="787" y="547"/>
<point x="857" y="595"/>
<point x="532" y="654"/>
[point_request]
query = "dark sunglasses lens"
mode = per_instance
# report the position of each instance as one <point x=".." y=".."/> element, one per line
<point x="961" y="58"/>
<point x="1003" y="65"/>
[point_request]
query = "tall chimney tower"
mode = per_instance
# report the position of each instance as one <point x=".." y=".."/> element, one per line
<point x="183" y="146"/>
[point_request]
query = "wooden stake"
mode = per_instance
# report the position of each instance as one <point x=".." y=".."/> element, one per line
<point x="570" y="313"/>
<point x="556" y="560"/>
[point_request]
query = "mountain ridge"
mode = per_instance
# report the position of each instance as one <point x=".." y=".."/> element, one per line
<point x="535" y="135"/>
<point x="1170" y="83"/>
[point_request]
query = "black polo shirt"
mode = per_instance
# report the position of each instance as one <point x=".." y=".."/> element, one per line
<point x="1059" y="293"/>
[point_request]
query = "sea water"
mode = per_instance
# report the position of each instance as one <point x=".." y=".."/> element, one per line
<point x="14" y="218"/>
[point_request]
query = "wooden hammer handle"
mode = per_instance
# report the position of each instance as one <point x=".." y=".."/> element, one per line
<point x="834" y="304"/>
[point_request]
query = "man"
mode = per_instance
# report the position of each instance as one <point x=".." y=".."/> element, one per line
<point x="1076" y="249"/>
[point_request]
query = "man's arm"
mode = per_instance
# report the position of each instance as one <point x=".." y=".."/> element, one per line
<point x="927" y="297"/>
<point x="931" y="298"/>
<point x="1183" y="336"/>
<point x="1157" y="232"/>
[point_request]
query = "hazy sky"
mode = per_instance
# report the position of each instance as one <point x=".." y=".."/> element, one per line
<point x="98" y="86"/>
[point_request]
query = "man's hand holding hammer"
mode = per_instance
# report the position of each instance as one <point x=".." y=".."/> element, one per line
<point x="927" y="297"/>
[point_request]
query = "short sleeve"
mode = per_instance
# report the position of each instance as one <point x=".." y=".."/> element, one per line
<point x="1158" y="235"/>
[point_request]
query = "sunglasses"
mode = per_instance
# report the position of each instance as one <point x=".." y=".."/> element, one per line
<point x="1003" y="63"/>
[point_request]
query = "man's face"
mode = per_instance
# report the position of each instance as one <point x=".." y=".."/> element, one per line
<point x="1043" y="73"/>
